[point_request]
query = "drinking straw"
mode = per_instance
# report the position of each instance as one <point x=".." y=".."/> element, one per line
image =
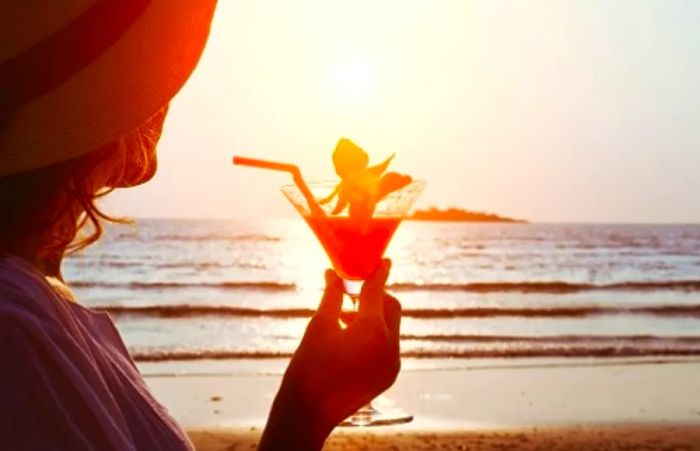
<point x="284" y="167"/>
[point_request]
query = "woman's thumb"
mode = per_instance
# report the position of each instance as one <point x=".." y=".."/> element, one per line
<point x="372" y="294"/>
<point x="332" y="300"/>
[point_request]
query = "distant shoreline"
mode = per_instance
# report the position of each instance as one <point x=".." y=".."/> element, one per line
<point x="459" y="215"/>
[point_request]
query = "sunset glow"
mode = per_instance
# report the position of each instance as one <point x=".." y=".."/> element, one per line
<point x="394" y="224"/>
<point x="550" y="111"/>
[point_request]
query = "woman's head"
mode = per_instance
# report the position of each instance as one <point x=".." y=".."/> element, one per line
<point x="49" y="206"/>
<point x="75" y="76"/>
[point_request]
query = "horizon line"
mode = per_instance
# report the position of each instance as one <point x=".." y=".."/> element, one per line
<point x="527" y="221"/>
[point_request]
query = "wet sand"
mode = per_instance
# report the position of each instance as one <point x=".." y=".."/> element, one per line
<point x="647" y="437"/>
<point x="581" y="404"/>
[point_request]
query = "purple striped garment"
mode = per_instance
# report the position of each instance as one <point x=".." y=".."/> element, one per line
<point x="67" y="382"/>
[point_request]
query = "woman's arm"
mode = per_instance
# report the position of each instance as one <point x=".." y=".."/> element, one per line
<point x="336" y="370"/>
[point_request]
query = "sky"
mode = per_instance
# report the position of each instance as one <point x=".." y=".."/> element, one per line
<point x="573" y="111"/>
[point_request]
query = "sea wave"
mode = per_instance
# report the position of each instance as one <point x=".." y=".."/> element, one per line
<point x="555" y="287"/>
<point x="195" y="266"/>
<point x="556" y="339"/>
<point x="159" y="355"/>
<point x="643" y="339"/>
<point x="206" y="265"/>
<point x="254" y="237"/>
<point x="233" y="285"/>
<point x="550" y="287"/>
<point x="471" y="312"/>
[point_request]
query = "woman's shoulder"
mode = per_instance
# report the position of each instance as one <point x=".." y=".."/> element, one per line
<point x="30" y="305"/>
<point x="68" y="358"/>
<point x="47" y="371"/>
<point x="24" y="292"/>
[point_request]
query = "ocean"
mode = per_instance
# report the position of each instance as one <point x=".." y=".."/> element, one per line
<point x="208" y="295"/>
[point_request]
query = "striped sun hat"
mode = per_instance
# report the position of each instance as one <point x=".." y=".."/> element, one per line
<point x="77" y="74"/>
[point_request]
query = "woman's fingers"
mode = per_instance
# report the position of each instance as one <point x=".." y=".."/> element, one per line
<point x="392" y="316"/>
<point x="332" y="299"/>
<point x="372" y="293"/>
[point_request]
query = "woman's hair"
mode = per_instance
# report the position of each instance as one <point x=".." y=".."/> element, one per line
<point x="54" y="203"/>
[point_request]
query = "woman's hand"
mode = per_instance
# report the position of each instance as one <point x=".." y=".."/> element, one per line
<point x="336" y="370"/>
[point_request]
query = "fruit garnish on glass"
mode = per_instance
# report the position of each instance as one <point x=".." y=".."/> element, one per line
<point x="361" y="186"/>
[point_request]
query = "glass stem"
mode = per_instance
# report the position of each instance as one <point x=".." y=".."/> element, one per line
<point x="355" y="303"/>
<point x="367" y="409"/>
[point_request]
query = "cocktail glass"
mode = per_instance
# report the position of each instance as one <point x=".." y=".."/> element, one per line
<point x="355" y="248"/>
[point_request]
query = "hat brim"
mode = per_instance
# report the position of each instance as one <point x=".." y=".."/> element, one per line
<point x="116" y="93"/>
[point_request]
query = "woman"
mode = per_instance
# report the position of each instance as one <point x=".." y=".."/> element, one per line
<point x="84" y="88"/>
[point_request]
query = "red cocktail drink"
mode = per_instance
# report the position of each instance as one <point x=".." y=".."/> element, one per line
<point x="355" y="247"/>
<point x="356" y="244"/>
<point x="354" y="220"/>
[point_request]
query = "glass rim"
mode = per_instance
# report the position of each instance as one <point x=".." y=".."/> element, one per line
<point x="320" y="189"/>
<point x="324" y="183"/>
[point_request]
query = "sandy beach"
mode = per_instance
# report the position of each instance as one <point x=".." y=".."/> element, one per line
<point x="572" y="404"/>
<point x="582" y="438"/>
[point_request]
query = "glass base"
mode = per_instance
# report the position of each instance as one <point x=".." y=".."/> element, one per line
<point x="369" y="416"/>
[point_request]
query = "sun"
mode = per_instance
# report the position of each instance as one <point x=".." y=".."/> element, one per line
<point x="353" y="80"/>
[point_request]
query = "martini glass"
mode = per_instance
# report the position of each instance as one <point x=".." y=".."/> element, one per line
<point x="355" y="248"/>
